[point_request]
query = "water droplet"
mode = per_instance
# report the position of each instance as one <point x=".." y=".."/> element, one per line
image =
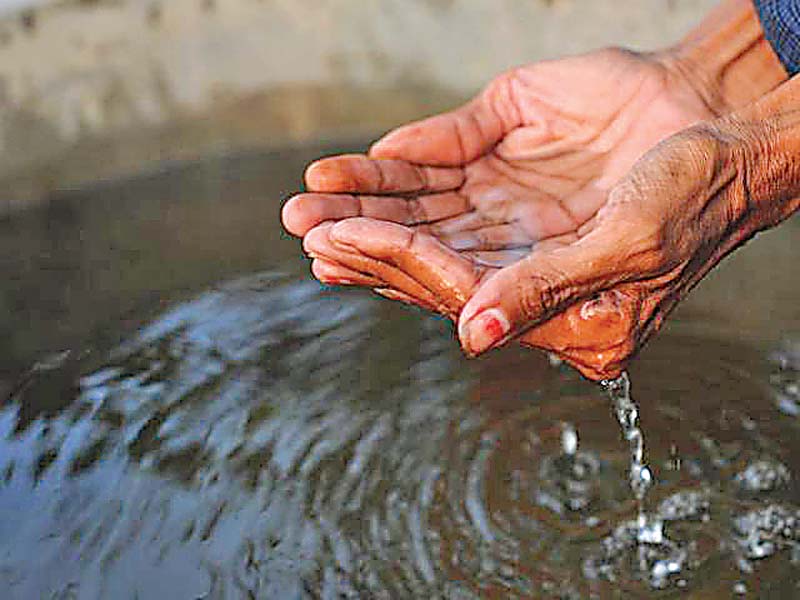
<point x="762" y="532"/>
<point x="569" y="439"/>
<point x="651" y="533"/>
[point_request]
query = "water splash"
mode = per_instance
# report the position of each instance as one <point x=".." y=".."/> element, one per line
<point x="627" y="413"/>
<point x="763" y="475"/>
<point x="569" y="439"/>
<point x="762" y="532"/>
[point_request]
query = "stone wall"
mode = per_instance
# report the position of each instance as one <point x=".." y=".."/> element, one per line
<point x="95" y="88"/>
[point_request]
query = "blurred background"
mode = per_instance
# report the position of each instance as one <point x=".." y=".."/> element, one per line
<point x="92" y="89"/>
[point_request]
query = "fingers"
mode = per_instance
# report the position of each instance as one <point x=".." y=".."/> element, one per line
<point x="303" y="212"/>
<point x="534" y="289"/>
<point x="596" y="336"/>
<point x="405" y="298"/>
<point x="448" y="276"/>
<point x="375" y="272"/>
<point x="586" y="362"/>
<point x="357" y="173"/>
<point x="333" y="273"/>
<point x="459" y="136"/>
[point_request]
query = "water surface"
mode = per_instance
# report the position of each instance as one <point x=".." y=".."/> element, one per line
<point x="188" y="415"/>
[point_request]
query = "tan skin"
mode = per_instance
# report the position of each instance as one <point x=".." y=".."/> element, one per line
<point x="530" y="161"/>
<point x="531" y="212"/>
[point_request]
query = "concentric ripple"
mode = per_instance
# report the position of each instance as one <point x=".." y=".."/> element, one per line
<point x="271" y="439"/>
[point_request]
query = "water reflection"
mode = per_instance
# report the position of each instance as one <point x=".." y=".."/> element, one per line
<point x="272" y="439"/>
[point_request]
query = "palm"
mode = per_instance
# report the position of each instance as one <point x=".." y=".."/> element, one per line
<point x="585" y="121"/>
<point x="529" y="162"/>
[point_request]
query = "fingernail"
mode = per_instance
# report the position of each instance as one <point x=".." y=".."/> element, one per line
<point x="484" y="330"/>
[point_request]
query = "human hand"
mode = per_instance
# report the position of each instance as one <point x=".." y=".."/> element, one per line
<point x="527" y="164"/>
<point x="520" y="177"/>
<point x="530" y="158"/>
<point x="594" y="298"/>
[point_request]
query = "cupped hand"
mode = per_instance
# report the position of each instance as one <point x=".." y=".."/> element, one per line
<point x="506" y="214"/>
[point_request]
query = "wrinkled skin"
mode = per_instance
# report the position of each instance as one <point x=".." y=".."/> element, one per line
<point x="523" y="201"/>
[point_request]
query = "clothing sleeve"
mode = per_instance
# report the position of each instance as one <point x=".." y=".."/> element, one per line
<point x="780" y="20"/>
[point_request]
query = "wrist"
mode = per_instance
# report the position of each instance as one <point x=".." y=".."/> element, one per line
<point x="764" y="143"/>
<point x="727" y="59"/>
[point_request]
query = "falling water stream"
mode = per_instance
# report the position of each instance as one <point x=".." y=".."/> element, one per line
<point x="649" y="528"/>
<point x="639" y="474"/>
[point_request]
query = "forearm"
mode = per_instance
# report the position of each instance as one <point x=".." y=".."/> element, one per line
<point x="728" y="58"/>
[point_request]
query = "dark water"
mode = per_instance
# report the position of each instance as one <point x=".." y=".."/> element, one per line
<point x="188" y="415"/>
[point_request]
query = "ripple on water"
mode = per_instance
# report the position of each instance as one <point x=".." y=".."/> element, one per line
<point x="272" y="439"/>
<point x="785" y="378"/>
<point x="762" y="532"/>
<point x="763" y="476"/>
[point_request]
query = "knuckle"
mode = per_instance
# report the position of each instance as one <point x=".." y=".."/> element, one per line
<point x="639" y="229"/>
<point x="764" y="167"/>
<point x="702" y="149"/>
<point x="549" y="297"/>
<point x="500" y="95"/>
<point x="500" y="84"/>
<point x="540" y="294"/>
<point x="531" y="301"/>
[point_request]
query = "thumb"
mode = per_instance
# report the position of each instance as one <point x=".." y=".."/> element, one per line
<point x="457" y="137"/>
<point x="531" y="291"/>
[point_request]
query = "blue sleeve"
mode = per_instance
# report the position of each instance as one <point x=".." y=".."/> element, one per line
<point x="781" y="22"/>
